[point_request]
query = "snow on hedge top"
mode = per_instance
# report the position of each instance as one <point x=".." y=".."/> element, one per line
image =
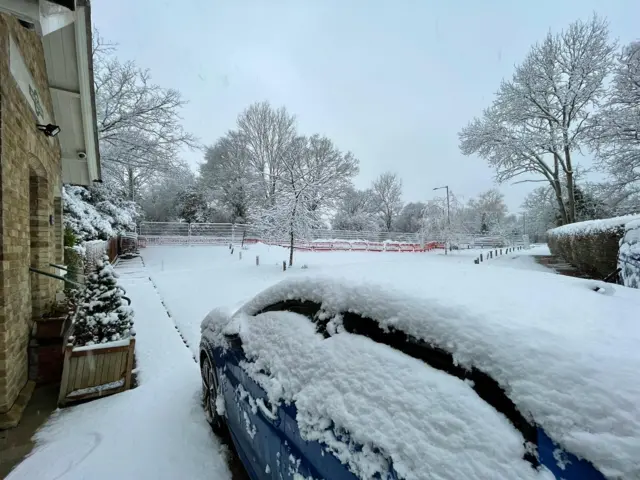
<point x="429" y="424"/>
<point x="593" y="226"/>
<point x="565" y="354"/>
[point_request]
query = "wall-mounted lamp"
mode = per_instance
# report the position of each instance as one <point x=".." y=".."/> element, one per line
<point x="49" y="130"/>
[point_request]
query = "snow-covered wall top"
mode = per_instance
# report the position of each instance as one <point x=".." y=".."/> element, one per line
<point x="593" y="226"/>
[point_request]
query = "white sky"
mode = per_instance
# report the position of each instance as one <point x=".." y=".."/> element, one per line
<point x="394" y="82"/>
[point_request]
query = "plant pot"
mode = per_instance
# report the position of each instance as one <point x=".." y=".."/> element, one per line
<point x="50" y="326"/>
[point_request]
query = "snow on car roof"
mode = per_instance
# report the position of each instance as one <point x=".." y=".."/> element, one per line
<point x="565" y="354"/>
<point x="428" y="423"/>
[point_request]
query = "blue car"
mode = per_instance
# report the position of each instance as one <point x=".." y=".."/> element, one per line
<point x="259" y="382"/>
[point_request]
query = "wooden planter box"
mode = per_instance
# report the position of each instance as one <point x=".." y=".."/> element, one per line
<point x="96" y="371"/>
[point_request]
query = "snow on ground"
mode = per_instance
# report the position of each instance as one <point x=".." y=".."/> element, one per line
<point x="193" y="280"/>
<point x="522" y="259"/>
<point x="156" y="430"/>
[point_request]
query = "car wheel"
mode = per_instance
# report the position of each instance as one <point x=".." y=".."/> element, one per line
<point x="210" y="392"/>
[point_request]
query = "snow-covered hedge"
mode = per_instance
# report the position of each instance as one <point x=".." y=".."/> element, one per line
<point x="93" y="215"/>
<point x="629" y="256"/>
<point x="590" y="246"/>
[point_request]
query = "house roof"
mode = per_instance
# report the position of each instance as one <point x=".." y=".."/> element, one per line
<point x="65" y="28"/>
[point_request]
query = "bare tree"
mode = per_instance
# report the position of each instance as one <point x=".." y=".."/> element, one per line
<point x="269" y="136"/>
<point x="616" y="128"/>
<point x="302" y="175"/>
<point x="410" y="219"/>
<point x="488" y="211"/>
<point x="324" y="159"/>
<point x="539" y="118"/>
<point x="356" y="211"/>
<point x="229" y="176"/>
<point x="139" y="127"/>
<point x="160" y="199"/>
<point x="387" y="190"/>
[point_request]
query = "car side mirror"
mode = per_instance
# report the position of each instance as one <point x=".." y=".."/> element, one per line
<point x="233" y="339"/>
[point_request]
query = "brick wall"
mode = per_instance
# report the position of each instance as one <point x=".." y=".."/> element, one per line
<point x="30" y="170"/>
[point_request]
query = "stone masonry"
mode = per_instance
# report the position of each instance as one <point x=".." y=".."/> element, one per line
<point x="30" y="176"/>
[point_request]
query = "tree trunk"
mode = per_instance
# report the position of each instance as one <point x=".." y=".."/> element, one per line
<point x="571" y="214"/>
<point x="130" y="182"/>
<point x="555" y="184"/>
<point x="561" y="207"/>
<point x="291" y="249"/>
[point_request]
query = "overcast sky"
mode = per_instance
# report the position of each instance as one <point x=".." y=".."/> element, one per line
<point x="392" y="81"/>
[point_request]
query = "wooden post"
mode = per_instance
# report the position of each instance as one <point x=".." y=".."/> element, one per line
<point x="284" y="266"/>
<point x="130" y="354"/>
<point x="500" y="251"/>
<point x="64" y="382"/>
<point x="240" y="255"/>
<point x="476" y="261"/>
<point x="232" y="251"/>
<point x="257" y="260"/>
<point x="480" y="257"/>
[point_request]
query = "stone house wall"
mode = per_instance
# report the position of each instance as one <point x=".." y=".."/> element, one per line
<point x="30" y="176"/>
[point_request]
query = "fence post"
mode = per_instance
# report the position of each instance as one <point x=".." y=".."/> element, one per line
<point x="284" y="266"/>
<point x="257" y="260"/>
<point x="480" y="257"/>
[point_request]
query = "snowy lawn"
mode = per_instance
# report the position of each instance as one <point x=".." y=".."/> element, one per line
<point x="154" y="431"/>
<point x="193" y="280"/>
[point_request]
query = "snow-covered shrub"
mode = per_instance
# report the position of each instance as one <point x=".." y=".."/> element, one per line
<point x="590" y="246"/>
<point x="92" y="214"/>
<point x="629" y="256"/>
<point x="102" y="315"/>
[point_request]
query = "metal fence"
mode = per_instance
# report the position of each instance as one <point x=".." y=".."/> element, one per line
<point x="181" y="233"/>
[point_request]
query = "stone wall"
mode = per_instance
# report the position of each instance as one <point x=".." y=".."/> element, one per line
<point x="30" y="171"/>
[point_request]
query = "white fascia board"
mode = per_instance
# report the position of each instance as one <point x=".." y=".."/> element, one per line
<point x="86" y="104"/>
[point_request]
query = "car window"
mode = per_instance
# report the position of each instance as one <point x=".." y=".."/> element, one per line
<point x="303" y="307"/>
<point x="486" y="388"/>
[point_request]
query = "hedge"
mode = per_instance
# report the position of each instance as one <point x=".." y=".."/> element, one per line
<point x="592" y="247"/>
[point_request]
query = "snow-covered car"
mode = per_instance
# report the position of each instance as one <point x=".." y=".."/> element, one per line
<point x="344" y="378"/>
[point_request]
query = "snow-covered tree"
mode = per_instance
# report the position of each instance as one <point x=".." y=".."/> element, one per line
<point x="268" y="136"/>
<point x="615" y="136"/>
<point x="356" y="211"/>
<point x="102" y="315"/>
<point x="230" y="177"/>
<point x="487" y="212"/>
<point x="159" y="200"/>
<point x="296" y="210"/>
<point x="410" y="218"/>
<point x="139" y="125"/>
<point x="96" y="213"/>
<point x="387" y="191"/>
<point x="193" y="206"/>
<point x="538" y="120"/>
<point x="324" y="160"/>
